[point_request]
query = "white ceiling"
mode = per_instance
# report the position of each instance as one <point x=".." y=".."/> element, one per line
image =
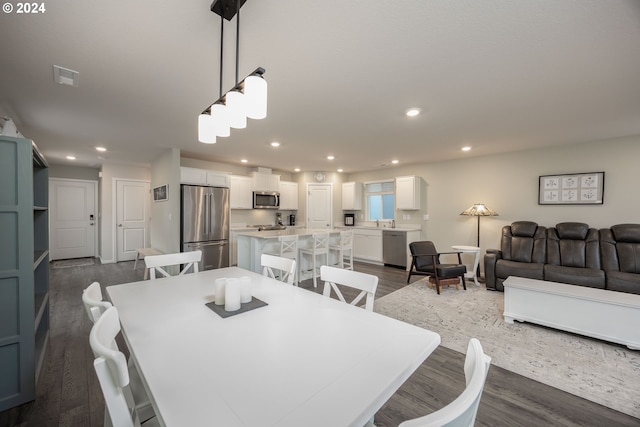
<point x="497" y="75"/>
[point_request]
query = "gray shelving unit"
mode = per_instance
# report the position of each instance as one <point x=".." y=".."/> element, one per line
<point x="24" y="269"/>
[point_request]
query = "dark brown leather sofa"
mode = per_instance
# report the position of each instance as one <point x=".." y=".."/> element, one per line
<point x="570" y="252"/>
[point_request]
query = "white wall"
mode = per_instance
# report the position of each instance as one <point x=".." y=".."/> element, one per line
<point x="107" y="204"/>
<point x="165" y="215"/>
<point x="508" y="183"/>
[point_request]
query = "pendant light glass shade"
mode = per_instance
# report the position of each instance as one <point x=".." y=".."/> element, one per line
<point x="236" y="115"/>
<point x="206" y="129"/>
<point x="255" y="95"/>
<point x="219" y="114"/>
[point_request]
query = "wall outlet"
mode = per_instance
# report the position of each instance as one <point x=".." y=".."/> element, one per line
<point x="408" y="216"/>
<point x="425" y="217"/>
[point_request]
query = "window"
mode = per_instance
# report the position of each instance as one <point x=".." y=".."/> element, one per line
<point x="380" y="199"/>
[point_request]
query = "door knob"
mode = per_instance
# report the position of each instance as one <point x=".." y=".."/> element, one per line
<point x="119" y="225"/>
<point x="90" y="223"/>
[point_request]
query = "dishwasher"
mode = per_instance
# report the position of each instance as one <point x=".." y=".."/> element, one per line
<point x="394" y="248"/>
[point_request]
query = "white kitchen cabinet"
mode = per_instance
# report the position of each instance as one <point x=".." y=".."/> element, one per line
<point x="408" y="193"/>
<point x="233" y="248"/>
<point x="288" y="196"/>
<point x="351" y="196"/>
<point x="265" y="182"/>
<point x="241" y="192"/>
<point x="367" y="245"/>
<point x="197" y="176"/>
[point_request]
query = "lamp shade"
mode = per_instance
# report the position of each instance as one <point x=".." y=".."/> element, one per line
<point x="479" y="209"/>
<point x="236" y="113"/>
<point x="255" y="96"/>
<point x="206" y="129"/>
<point x="220" y="122"/>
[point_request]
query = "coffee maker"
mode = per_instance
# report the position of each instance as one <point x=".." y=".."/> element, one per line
<point x="279" y="218"/>
<point x="292" y="219"/>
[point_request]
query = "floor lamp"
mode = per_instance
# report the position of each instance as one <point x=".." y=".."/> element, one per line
<point x="479" y="209"/>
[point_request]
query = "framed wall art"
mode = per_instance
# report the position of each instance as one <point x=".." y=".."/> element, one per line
<point x="161" y="194"/>
<point x="572" y="189"/>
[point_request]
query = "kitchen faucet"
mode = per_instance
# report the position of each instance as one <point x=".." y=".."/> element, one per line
<point x="377" y="223"/>
<point x="393" y="223"/>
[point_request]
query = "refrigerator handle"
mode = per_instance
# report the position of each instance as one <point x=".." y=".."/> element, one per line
<point x="206" y="214"/>
<point x="210" y="213"/>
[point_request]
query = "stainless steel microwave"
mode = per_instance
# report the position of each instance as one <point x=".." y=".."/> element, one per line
<point x="266" y="200"/>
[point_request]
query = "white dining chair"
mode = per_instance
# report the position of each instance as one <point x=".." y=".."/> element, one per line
<point x="279" y="268"/>
<point x="366" y="283"/>
<point x="318" y="246"/>
<point x="159" y="262"/>
<point x="93" y="303"/>
<point x="286" y="247"/>
<point x="111" y="368"/>
<point x="344" y="249"/>
<point x="95" y="307"/>
<point x="462" y="411"/>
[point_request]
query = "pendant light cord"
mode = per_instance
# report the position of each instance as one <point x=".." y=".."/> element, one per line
<point x="221" y="50"/>
<point x="237" y="37"/>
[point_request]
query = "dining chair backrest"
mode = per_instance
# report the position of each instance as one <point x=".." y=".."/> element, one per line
<point x="463" y="410"/>
<point x="288" y="246"/>
<point x="285" y="268"/>
<point x="158" y="262"/>
<point x="319" y="243"/>
<point x="366" y="283"/>
<point x="92" y="300"/>
<point x="111" y="368"/>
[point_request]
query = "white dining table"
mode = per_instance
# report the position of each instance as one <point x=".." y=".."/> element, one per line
<point x="302" y="360"/>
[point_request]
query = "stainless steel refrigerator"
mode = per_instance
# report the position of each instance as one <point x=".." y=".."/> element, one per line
<point x="205" y="224"/>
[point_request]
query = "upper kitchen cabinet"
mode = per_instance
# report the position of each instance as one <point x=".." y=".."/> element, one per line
<point x="351" y="196"/>
<point x="408" y="193"/>
<point x="241" y="192"/>
<point x="288" y="196"/>
<point x="196" y="176"/>
<point x="265" y="182"/>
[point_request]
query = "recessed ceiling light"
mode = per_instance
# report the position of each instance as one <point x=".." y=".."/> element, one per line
<point x="275" y="144"/>
<point x="101" y="149"/>
<point x="395" y="162"/>
<point x="466" y="148"/>
<point x="340" y="170"/>
<point x="71" y="157"/>
<point x="330" y="157"/>
<point x="244" y="160"/>
<point x="296" y="170"/>
<point x="412" y="112"/>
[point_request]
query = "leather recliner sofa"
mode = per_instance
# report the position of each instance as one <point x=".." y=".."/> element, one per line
<point x="573" y="253"/>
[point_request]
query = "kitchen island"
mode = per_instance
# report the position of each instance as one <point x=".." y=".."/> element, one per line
<point x="252" y="244"/>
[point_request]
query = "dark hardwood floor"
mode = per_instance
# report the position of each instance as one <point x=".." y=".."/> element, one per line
<point x="68" y="393"/>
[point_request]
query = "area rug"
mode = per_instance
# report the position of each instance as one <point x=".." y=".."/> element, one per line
<point x="68" y="263"/>
<point x="604" y="373"/>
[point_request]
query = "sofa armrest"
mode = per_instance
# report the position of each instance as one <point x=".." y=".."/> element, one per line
<point x="490" y="259"/>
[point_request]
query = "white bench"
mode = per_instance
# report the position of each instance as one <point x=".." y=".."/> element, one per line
<point x="598" y="313"/>
<point x="143" y="252"/>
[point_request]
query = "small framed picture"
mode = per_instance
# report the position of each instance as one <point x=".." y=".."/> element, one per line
<point x="571" y="189"/>
<point x="161" y="194"/>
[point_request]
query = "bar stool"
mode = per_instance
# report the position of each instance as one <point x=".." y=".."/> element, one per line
<point x="319" y="246"/>
<point x="287" y="247"/>
<point x="344" y="247"/>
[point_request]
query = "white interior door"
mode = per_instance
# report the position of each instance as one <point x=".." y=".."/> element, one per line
<point x="132" y="218"/>
<point x="319" y="206"/>
<point x="73" y="218"/>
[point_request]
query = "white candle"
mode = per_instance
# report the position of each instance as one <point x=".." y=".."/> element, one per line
<point x="232" y="295"/>
<point x="218" y="289"/>
<point x="245" y="289"/>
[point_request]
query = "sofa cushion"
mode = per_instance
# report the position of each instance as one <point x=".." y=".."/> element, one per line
<point x="575" y="275"/>
<point x="623" y="282"/>
<point x="524" y="241"/>
<point x="572" y="230"/>
<point x="506" y="268"/>
<point x="629" y="233"/>
<point x="573" y="244"/>
<point x="523" y="228"/>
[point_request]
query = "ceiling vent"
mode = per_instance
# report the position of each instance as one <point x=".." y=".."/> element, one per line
<point x="65" y="76"/>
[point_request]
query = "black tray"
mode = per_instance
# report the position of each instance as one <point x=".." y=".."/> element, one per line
<point x="247" y="306"/>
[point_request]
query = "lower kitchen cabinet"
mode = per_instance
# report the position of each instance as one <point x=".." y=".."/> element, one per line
<point x="367" y="245"/>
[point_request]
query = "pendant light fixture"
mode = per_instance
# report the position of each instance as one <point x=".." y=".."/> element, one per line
<point x="248" y="98"/>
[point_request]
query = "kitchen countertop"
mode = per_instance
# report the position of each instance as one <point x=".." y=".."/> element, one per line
<point x="368" y="227"/>
<point x="270" y="234"/>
